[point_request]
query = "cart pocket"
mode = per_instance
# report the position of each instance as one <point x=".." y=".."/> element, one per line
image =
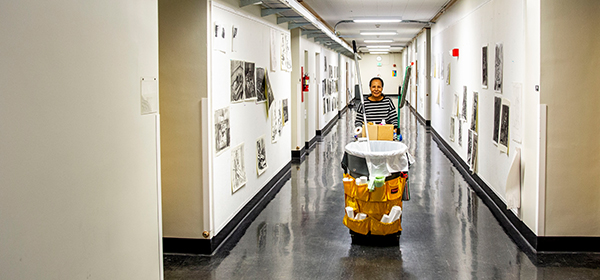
<point x="378" y="194"/>
<point x="394" y="188"/>
<point x="361" y="226"/>
<point x="349" y="186"/>
<point x="362" y="192"/>
<point x="351" y="201"/>
<point x="373" y="209"/>
<point x="379" y="228"/>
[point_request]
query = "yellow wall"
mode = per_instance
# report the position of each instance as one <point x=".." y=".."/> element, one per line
<point x="570" y="56"/>
<point x="183" y="74"/>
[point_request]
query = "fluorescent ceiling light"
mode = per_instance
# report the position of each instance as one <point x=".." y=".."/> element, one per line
<point x="378" y="33"/>
<point x="382" y="20"/>
<point x="379" y="41"/>
<point x="378" y="52"/>
<point x="375" y="47"/>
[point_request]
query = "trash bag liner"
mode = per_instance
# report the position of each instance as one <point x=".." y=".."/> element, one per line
<point x="386" y="157"/>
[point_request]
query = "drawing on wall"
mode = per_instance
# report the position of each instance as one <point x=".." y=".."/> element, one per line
<point x="219" y="41"/>
<point x="474" y="111"/>
<point x="238" y="168"/>
<point x="249" y="81"/>
<point x="448" y="75"/>
<point x="469" y="148"/>
<point x="234" y="38"/>
<point x="260" y="85"/>
<point x="286" y="52"/>
<point x="285" y="111"/>
<point x="498" y="68"/>
<point x="324" y="106"/>
<point x="330" y="72"/>
<point x="222" y="130"/>
<point x="497" y="108"/>
<point x="261" y="156"/>
<point x="452" y="128"/>
<point x="460" y="133"/>
<point x="455" y="107"/>
<point x="463" y="112"/>
<point x="274" y="50"/>
<point x="505" y="117"/>
<point x="237" y="81"/>
<point x="269" y="95"/>
<point x="484" y="67"/>
<point x="276" y="121"/>
<point x="474" y="152"/>
<point x="324" y="87"/>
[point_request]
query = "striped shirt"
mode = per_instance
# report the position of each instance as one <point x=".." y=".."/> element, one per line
<point x="377" y="111"/>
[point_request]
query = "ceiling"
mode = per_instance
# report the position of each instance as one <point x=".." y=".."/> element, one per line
<point x="334" y="11"/>
<point x="330" y="22"/>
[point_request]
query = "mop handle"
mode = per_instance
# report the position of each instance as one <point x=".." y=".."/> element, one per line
<point x="362" y="100"/>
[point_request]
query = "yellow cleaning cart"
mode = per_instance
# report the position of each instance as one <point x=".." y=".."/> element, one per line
<point x="375" y="178"/>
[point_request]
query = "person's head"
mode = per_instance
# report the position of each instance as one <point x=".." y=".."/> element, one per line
<point x="376" y="86"/>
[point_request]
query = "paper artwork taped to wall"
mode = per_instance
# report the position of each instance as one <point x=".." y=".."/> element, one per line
<point x="463" y="112"/>
<point x="455" y="107"/>
<point x="474" y="111"/>
<point x="238" y="168"/>
<point x="452" y="128"/>
<point x="448" y="75"/>
<point x="460" y="123"/>
<point x="484" y="66"/>
<point x="469" y="148"/>
<point x="219" y="41"/>
<point x="324" y="105"/>
<point x="261" y="156"/>
<point x="330" y="72"/>
<point x="505" y="119"/>
<point x="222" y="130"/>
<point x="286" y="52"/>
<point x="276" y="121"/>
<point x="237" y="81"/>
<point x="274" y="50"/>
<point x="269" y="95"/>
<point x="472" y="151"/>
<point x="324" y="87"/>
<point x="260" y="85"/>
<point x="498" y="68"/>
<point x="285" y="111"/>
<point x="497" y="109"/>
<point x="235" y="41"/>
<point x="249" y="81"/>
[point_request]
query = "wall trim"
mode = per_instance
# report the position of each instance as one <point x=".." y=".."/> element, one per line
<point x="237" y="226"/>
<point x="299" y="155"/>
<point x="542" y="250"/>
<point x="426" y="123"/>
<point x="326" y="129"/>
<point x="310" y="145"/>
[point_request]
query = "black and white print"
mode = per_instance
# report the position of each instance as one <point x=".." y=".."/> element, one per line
<point x="484" y="66"/>
<point x="222" y="130"/>
<point x="261" y="156"/>
<point x="498" y="68"/>
<point x="452" y="128"/>
<point x="505" y="117"/>
<point x="270" y="96"/>
<point x="286" y="52"/>
<point x="260" y="85"/>
<point x="497" y="109"/>
<point x="470" y="148"/>
<point x="249" y="81"/>
<point x="463" y="112"/>
<point x="237" y="81"/>
<point x="276" y="121"/>
<point x="238" y="168"/>
<point x="474" y="152"/>
<point x="474" y="111"/>
<point x="460" y="125"/>
<point x="285" y="111"/>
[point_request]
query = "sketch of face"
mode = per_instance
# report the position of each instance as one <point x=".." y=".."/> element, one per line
<point x="376" y="89"/>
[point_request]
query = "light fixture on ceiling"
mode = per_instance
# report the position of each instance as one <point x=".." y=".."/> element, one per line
<point x="379" y="41"/>
<point x="367" y="33"/>
<point x="382" y="46"/>
<point x="379" y="52"/>
<point x="377" y="20"/>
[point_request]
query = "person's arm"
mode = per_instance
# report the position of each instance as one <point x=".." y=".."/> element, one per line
<point x="358" y="122"/>
<point x="392" y="117"/>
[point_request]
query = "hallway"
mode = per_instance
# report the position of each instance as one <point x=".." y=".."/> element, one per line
<point x="448" y="231"/>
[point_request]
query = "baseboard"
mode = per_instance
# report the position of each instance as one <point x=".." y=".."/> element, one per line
<point x="342" y="112"/>
<point x="299" y="155"/>
<point x="541" y="249"/>
<point x="237" y="226"/>
<point x="423" y="121"/>
<point x="321" y="133"/>
<point x="310" y="145"/>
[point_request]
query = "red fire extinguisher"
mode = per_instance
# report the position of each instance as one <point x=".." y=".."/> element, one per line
<point x="305" y="82"/>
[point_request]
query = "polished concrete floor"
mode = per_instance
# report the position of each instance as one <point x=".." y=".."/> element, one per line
<point x="448" y="233"/>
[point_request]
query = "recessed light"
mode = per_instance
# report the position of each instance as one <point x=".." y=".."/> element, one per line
<point x="378" y="33"/>
<point x="379" y="41"/>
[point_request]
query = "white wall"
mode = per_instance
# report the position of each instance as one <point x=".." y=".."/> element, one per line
<point x="332" y="59"/>
<point x="468" y="25"/>
<point x="313" y="96"/>
<point x="248" y="120"/>
<point x="80" y="188"/>
<point x="369" y="68"/>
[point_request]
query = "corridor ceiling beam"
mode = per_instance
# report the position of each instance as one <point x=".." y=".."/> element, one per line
<point x="268" y="12"/>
